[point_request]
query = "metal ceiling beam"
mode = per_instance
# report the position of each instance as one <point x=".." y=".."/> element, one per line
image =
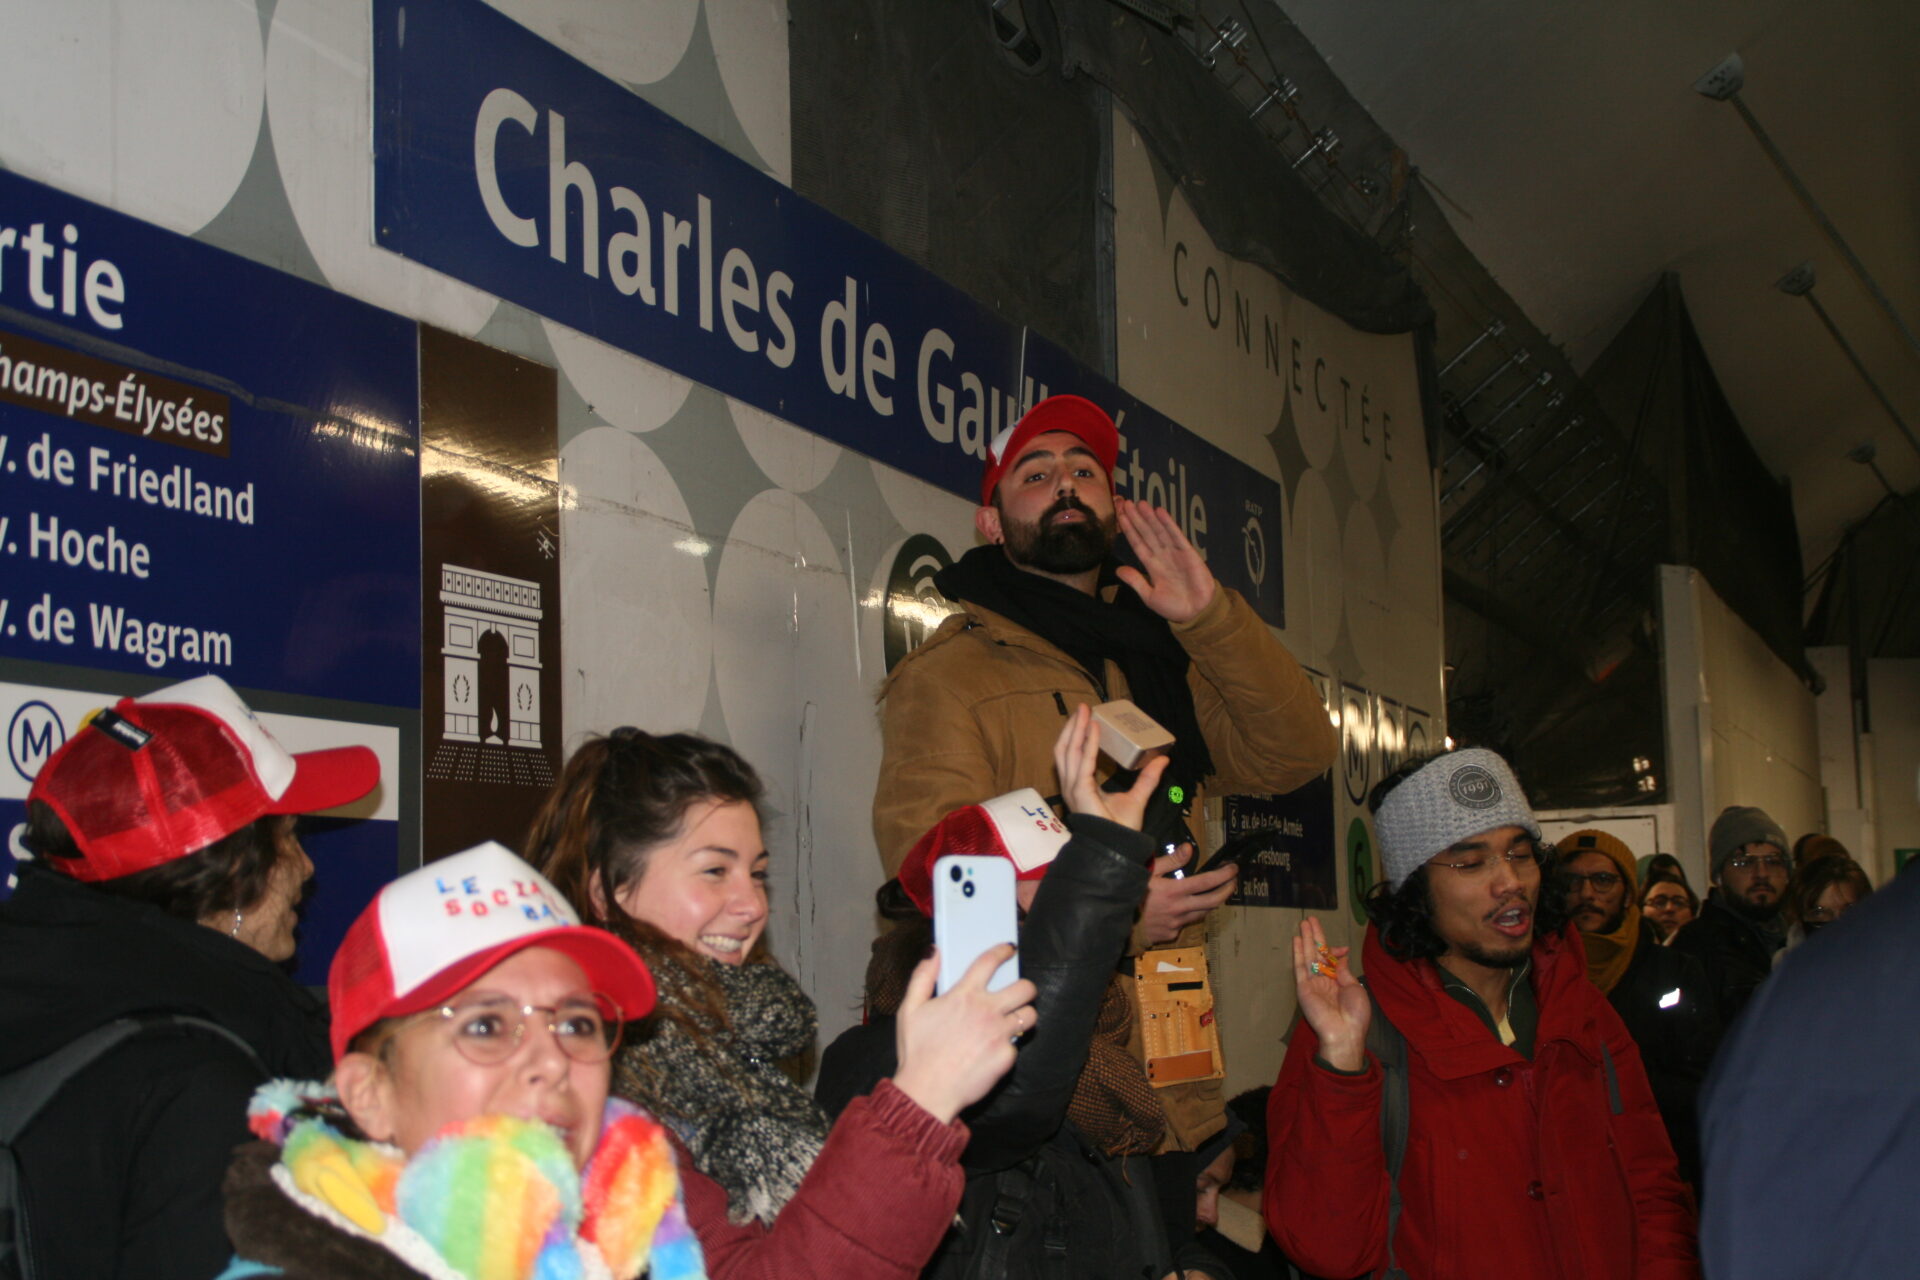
<point x="1546" y="510"/>
<point x="1518" y="622"/>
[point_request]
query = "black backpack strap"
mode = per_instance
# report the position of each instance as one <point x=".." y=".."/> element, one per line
<point x="25" y="1092"/>
<point x="1389" y="1047"/>
<point x="1012" y="1188"/>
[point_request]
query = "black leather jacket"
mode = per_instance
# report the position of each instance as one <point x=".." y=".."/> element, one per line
<point x="1069" y="944"/>
<point x="1092" y="1215"/>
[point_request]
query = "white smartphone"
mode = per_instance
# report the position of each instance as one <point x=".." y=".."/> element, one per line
<point x="973" y="909"/>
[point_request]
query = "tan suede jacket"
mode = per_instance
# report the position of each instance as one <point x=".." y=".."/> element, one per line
<point x="973" y="713"/>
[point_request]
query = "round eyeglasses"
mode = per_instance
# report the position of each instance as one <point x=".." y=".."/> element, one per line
<point x="1603" y="881"/>
<point x="489" y="1030"/>
<point x="1472" y="866"/>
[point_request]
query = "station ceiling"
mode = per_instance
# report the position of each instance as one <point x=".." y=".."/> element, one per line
<point x="1572" y="155"/>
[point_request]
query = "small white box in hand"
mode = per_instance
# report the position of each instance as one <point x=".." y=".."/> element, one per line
<point x="1129" y="735"/>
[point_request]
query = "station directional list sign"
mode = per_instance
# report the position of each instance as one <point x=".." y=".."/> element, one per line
<point x="205" y="466"/>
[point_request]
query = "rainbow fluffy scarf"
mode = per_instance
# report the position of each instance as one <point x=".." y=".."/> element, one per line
<point x="493" y="1198"/>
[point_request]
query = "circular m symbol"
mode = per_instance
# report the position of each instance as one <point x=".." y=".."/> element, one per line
<point x="34" y="733"/>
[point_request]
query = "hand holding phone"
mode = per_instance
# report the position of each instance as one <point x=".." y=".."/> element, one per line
<point x="1239" y="850"/>
<point x="973" y="908"/>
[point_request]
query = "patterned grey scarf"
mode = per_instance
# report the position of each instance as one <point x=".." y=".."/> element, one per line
<point x="717" y="1082"/>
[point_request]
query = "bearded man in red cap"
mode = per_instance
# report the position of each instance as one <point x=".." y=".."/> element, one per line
<point x="1049" y="621"/>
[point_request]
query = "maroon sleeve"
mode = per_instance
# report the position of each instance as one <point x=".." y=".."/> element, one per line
<point x="1325" y="1196"/>
<point x="1665" y="1223"/>
<point x="880" y="1195"/>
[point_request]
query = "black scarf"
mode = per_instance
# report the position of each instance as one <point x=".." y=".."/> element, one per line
<point x="1091" y="631"/>
<point x="719" y="1085"/>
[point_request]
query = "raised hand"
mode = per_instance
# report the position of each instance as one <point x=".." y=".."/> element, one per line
<point x="1177" y="584"/>
<point x="1074" y="753"/>
<point x="1335" y="1007"/>
<point x="953" y="1048"/>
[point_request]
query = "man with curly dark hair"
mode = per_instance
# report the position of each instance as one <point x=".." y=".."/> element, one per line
<point x="1521" y="1137"/>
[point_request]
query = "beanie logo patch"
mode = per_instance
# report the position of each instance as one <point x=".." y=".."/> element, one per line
<point x="1474" y="787"/>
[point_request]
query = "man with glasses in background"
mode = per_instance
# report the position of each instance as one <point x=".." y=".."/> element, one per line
<point x="1476" y="1108"/>
<point x="1662" y="995"/>
<point x="1739" y="928"/>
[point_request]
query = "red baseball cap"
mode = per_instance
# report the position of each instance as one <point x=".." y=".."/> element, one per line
<point x="162" y="776"/>
<point x="1019" y="826"/>
<point x="434" y="931"/>
<point x="1075" y="414"/>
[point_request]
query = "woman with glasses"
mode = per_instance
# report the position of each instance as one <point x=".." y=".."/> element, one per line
<point x="1667" y="903"/>
<point x="658" y="840"/>
<point x="466" y="1131"/>
<point x="1820" y="893"/>
<point x="470" y="1129"/>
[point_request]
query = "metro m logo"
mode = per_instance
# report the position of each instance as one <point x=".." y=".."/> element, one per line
<point x="34" y="733"/>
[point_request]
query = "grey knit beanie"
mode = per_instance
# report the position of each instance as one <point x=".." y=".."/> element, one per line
<point x="1452" y="798"/>
<point x="1739" y="826"/>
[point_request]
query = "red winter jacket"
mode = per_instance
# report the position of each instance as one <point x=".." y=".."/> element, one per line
<point x="1512" y="1168"/>
<point x="880" y="1195"/>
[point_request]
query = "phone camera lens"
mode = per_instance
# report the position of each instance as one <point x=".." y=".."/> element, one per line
<point x="953" y="874"/>
<point x="966" y="890"/>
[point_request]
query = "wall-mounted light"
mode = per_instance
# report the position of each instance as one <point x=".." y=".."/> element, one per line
<point x="1798" y="283"/>
<point x="1723" y="84"/>
<point x="1864" y="455"/>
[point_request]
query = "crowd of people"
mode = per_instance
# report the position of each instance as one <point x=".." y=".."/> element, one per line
<point x="573" y="1057"/>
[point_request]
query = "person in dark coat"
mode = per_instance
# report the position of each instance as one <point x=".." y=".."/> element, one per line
<point x="164" y="878"/>
<point x="1662" y="995"/>
<point x="1739" y="927"/>
<point x="1038" y="1184"/>
<point x="1808" y="1116"/>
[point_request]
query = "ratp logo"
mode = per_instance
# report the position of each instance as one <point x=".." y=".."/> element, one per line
<point x="1253" y="544"/>
<point x="34" y="733"/>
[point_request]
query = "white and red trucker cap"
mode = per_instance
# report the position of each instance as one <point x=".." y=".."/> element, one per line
<point x="1074" y="414"/>
<point x="159" y="777"/>
<point x="1018" y="826"/>
<point x="434" y="931"/>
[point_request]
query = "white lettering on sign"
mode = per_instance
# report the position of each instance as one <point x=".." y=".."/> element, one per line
<point x="101" y="291"/>
<point x="634" y="257"/>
